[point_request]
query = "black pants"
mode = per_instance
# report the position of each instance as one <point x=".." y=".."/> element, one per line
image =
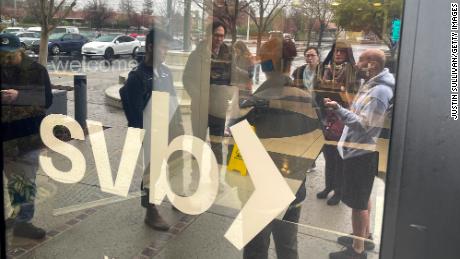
<point x="284" y="235"/>
<point x="216" y="128"/>
<point x="334" y="168"/>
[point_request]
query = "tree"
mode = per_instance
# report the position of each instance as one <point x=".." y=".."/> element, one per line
<point x="127" y="8"/>
<point x="97" y="13"/>
<point x="321" y="11"/>
<point x="362" y="15"/>
<point x="262" y="13"/>
<point x="49" y="13"/>
<point x="147" y="7"/>
<point x="226" y="11"/>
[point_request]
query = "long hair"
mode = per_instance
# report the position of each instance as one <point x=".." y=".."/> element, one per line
<point x="342" y="44"/>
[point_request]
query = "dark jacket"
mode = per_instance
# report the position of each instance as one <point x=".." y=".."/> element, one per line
<point x="137" y="91"/>
<point x="202" y="60"/>
<point x="285" y="116"/>
<point x="21" y="120"/>
<point x="297" y="75"/>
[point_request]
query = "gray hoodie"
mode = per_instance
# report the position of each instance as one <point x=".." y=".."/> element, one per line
<point x="364" y="121"/>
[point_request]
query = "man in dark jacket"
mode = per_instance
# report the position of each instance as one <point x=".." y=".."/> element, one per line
<point x="26" y="93"/>
<point x="150" y="75"/>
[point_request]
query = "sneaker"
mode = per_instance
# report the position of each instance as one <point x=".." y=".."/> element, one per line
<point x="311" y="170"/>
<point x="154" y="220"/>
<point x="323" y="194"/>
<point x="348" y="241"/>
<point x="334" y="200"/>
<point x="27" y="230"/>
<point x="348" y="253"/>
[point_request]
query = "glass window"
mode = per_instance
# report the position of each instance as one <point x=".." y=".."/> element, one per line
<point x="56" y="36"/>
<point x="105" y="38"/>
<point x="266" y="134"/>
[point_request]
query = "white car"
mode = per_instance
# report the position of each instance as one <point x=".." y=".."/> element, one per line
<point x="66" y="29"/>
<point x="13" y="30"/>
<point x="35" y="29"/>
<point x="110" y="45"/>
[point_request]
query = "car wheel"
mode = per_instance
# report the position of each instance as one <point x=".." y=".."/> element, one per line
<point x="108" y="53"/>
<point x="23" y="45"/>
<point x="55" y="50"/>
<point x="135" y="50"/>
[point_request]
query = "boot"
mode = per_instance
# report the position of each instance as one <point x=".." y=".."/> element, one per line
<point x="27" y="230"/>
<point x="323" y="194"/>
<point x="335" y="199"/>
<point x="154" y="220"/>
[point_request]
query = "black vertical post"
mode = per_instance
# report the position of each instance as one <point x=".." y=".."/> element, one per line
<point x="80" y="99"/>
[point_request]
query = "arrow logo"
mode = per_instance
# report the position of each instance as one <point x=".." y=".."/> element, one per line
<point x="271" y="196"/>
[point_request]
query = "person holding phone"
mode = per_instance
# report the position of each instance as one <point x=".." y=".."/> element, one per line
<point x="363" y="121"/>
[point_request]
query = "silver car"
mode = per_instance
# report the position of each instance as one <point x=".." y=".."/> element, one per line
<point x="27" y="38"/>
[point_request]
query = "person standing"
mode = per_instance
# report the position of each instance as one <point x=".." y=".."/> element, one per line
<point x="306" y="76"/>
<point x="151" y="75"/>
<point x="242" y="66"/>
<point x="211" y="56"/>
<point x="26" y="94"/>
<point x="339" y="75"/>
<point x="363" y="124"/>
<point x="277" y="55"/>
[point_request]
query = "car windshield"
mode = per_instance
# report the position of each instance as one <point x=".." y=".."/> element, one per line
<point x="56" y="36"/>
<point x="59" y="30"/>
<point x="106" y="38"/>
<point x="12" y="30"/>
<point x="141" y="38"/>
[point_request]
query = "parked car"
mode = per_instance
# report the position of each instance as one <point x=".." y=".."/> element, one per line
<point x="66" y="29"/>
<point x="110" y="45"/>
<point x="13" y="30"/>
<point x="27" y="38"/>
<point x="35" y="29"/>
<point x="91" y="35"/>
<point x="62" y="42"/>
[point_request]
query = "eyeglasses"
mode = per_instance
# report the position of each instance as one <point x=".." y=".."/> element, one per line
<point x="218" y="35"/>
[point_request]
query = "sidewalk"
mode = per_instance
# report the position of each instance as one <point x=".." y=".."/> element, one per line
<point x="83" y="222"/>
